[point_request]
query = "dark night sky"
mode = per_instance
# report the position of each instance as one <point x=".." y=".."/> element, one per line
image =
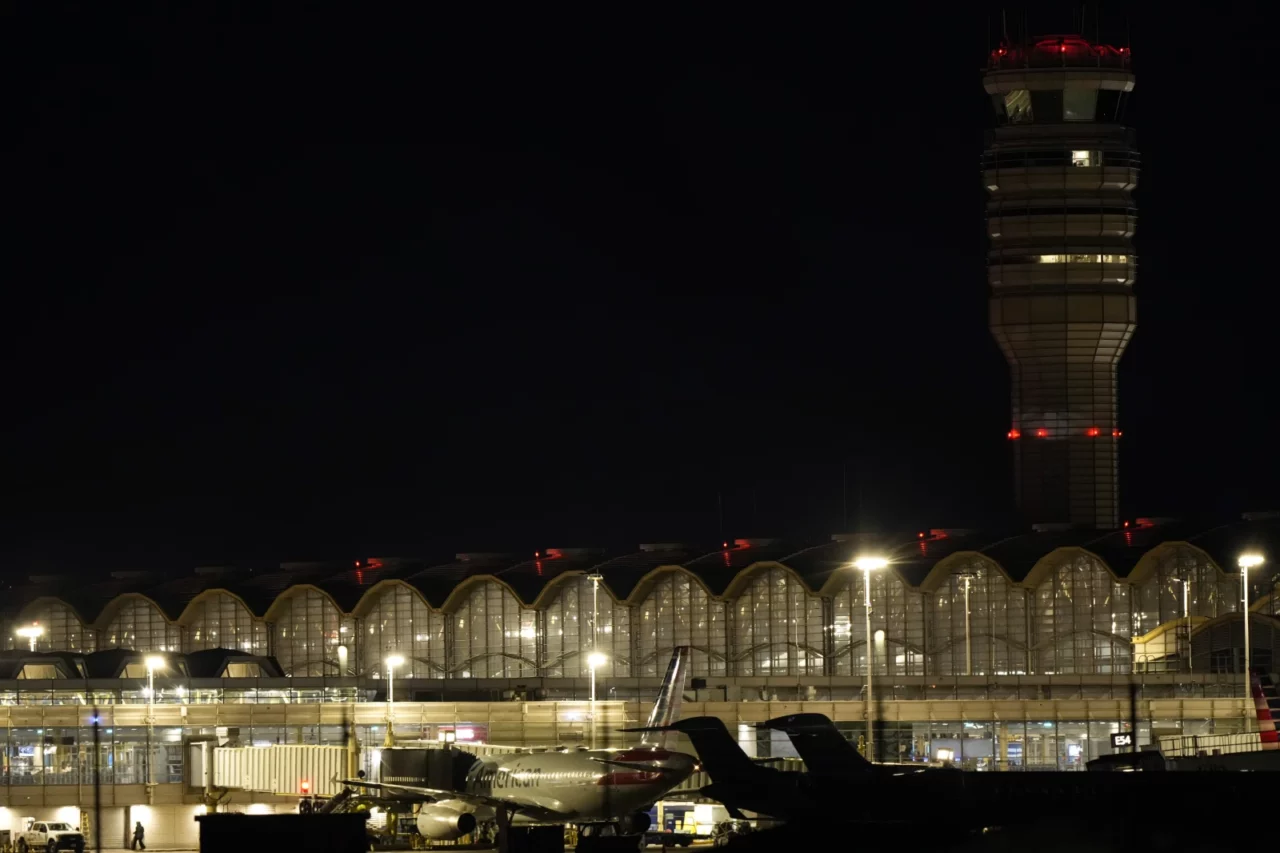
<point x="307" y="284"/>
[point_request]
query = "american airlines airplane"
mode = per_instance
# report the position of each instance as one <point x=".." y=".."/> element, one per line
<point x="591" y="788"/>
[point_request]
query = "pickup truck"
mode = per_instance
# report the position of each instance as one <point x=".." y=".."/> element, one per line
<point x="50" y="837"/>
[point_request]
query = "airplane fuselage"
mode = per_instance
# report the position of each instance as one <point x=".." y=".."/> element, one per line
<point x="575" y="786"/>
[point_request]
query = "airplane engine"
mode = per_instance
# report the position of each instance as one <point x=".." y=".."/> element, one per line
<point x="445" y="821"/>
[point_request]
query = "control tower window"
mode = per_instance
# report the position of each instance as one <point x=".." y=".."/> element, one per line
<point x="1079" y="104"/>
<point x="1085" y="158"/>
<point x="1017" y="105"/>
<point x="1109" y="103"/>
<point x="1047" y="106"/>
<point x="1081" y="259"/>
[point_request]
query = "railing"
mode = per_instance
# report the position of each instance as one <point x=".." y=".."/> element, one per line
<point x="1190" y="746"/>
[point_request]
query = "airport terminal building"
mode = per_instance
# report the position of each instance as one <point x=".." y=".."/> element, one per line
<point x="1022" y="652"/>
<point x="1002" y="651"/>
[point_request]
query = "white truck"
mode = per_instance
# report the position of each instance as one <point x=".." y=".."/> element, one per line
<point x="50" y="837"/>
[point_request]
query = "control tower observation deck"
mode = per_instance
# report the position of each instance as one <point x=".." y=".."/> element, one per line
<point x="1060" y="169"/>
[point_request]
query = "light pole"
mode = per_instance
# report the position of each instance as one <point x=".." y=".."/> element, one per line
<point x="153" y="663"/>
<point x="31" y="632"/>
<point x="1186" y="614"/>
<point x="594" y="658"/>
<point x="1247" y="562"/>
<point x="967" y="577"/>
<point x="869" y="565"/>
<point x="393" y="661"/>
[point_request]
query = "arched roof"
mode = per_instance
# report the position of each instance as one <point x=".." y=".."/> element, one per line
<point x="744" y="578"/>
<point x="921" y="559"/>
<point x="113" y="607"/>
<point x="463" y="590"/>
<point x="29" y="609"/>
<point x="1056" y="559"/>
<point x="293" y="592"/>
<point x="188" y="612"/>
<point x="956" y="561"/>
<point x="374" y="594"/>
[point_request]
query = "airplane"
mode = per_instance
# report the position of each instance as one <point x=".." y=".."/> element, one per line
<point x="529" y="791"/>
<point x="828" y="753"/>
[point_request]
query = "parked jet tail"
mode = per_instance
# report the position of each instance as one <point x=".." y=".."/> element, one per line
<point x="666" y="708"/>
<point x="824" y="749"/>
<point x="720" y="755"/>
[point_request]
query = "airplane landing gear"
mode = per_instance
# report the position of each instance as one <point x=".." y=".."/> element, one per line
<point x="607" y="837"/>
<point x="531" y="839"/>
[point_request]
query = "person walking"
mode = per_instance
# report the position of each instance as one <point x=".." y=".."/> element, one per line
<point x="138" y="834"/>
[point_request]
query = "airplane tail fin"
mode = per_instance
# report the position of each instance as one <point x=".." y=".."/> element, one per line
<point x="666" y="709"/>
<point x="720" y="755"/>
<point x="1267" y="706"/>
<point x="821" y="745"/>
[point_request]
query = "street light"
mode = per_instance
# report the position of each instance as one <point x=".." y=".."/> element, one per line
<point x="869" y="565"/>
<point x="392" y="662"/>
<point x="153" y="663"/>
<point x="595" y="660"/>
<point x="967" y="577"/>
<point x="1247" y="562"/>
<point x="1186" y="614"/>
<point x="31" y="632"/>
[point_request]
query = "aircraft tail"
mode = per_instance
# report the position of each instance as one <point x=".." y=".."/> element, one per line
<point x="718" y="753"/>
<point x="666" y="709"/>
<point x="1267" y="706"/>
<point x="823" y="748"/>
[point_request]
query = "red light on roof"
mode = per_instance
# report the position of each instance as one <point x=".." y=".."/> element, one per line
<point x="1013" y="433"/>
<point x="1126" y="524"/>
<point x="537" y="554"/>
<point x="920" y="535"/>
<point x="1115" y="433"/>
<point x="1042" y="433"/>
<point x="1092" y="432"/>
<point x="724" y="544"/>
<point x="1062" y="48"/>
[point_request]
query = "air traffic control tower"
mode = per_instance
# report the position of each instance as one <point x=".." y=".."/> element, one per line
<point x="1060" y="169"/>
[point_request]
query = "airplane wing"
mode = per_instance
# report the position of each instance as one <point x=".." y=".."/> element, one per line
<point x="433" y="793"/>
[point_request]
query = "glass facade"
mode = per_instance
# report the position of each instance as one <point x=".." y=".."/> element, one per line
<point x="678" y="611"/>
<point x="494" y="635"/>
<point x="308" y="632"/>
<point x="63" y="630"/>
<point x="221" y="621"/>
<point x="897" y="626"/>
<point x="997" y="624"/>
<point x="568" y="631"/>
<point x="1071" y="617"/>
<point x="777" y="627"/>
<point x="1083" y="623"/>
<point x="401" y="623"/>
<point x="140" y="626"/>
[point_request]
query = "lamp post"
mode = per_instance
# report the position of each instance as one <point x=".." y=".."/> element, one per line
<point x="967" y="577"/>
<point x="595" y="660"/>
<point x="869" y="565"/>
<point x="1247" y="562"/>
<point x="153" y="663"/>
<point x="31" y="632"/>
<point x="393" y="661"/>
<point x="1186" y="614"/>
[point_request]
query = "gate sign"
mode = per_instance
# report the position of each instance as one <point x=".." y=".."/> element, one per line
<point x="1121" y="739"/>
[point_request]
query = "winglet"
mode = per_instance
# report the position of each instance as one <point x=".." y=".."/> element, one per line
<point x="666" y="709"/>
